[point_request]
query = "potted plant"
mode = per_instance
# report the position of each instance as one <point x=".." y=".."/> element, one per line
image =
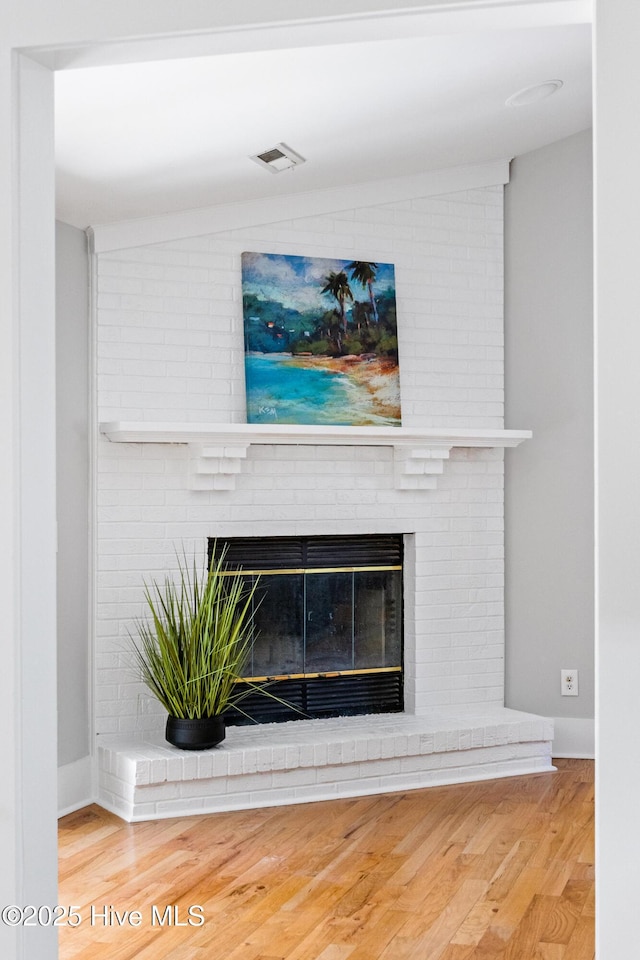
<point x="193" y="647"/>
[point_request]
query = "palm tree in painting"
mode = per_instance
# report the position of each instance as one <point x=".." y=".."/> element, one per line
<point x="364" y="273"/>
<point x="337" y="284"/>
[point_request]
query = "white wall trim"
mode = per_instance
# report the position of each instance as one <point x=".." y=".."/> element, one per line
<point x="251" y="213"/>
<point x="76" y="785"/>
<point x="92" y="479"/>
<point x="324" y="22"/>
<point x="574" y="738"/>
<point x="34" y="543"/>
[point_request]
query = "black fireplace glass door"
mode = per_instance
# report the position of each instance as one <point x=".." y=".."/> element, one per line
<point x="377" y="619"/>
<point x="329" y="622"/>
<point x="325" y="622"/>
<point x="279" y="626"/>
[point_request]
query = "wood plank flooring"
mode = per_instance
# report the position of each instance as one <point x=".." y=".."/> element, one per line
<point x="498" y="870"/>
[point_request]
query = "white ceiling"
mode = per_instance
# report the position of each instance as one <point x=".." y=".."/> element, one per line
<point x="138" y="140"/>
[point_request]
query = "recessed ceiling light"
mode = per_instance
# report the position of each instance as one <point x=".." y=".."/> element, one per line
<point x="533" y="94"/>
<point x="278" y="158"/>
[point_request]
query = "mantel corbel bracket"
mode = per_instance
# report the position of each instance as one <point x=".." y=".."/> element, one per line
<point x="215" y="466"/>
<point x="418" y="468"/>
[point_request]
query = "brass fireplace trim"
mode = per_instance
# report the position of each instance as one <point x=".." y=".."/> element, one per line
<point x="321" y="675"/>
<point x="241" y="572"/>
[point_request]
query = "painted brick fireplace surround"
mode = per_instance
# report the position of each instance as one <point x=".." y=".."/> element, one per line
<point x="170" y="360"/>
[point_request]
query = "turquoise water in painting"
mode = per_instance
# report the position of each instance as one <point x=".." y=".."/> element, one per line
<point x="278" y="391"/>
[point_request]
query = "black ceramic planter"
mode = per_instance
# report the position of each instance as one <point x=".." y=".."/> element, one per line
<point x="201" y="734"/>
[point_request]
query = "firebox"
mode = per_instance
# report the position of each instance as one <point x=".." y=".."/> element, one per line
<point x="328" y="619"/>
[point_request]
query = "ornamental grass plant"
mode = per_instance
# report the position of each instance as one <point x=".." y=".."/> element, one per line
<point x="196" y="641"/>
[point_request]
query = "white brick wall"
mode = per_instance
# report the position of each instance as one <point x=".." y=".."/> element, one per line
<point x="170" y="347"/>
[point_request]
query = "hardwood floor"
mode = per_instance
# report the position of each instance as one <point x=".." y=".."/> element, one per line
<point x="498" y="870"/>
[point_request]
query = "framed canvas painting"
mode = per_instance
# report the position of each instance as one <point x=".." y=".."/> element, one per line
<point x="321" y="342"/>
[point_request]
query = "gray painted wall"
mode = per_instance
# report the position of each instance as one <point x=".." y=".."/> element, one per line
<point x="72" y="412"/>
<point x="549" y="389"/>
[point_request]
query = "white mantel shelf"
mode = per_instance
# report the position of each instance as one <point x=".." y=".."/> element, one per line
<point x="218" y="450"/>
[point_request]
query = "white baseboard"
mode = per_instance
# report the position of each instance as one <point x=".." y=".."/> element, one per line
<point x="76" y="785"/>
<point x="574" y="738"/>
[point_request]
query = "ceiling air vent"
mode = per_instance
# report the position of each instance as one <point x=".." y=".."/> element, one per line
<point x="278" y="158"/>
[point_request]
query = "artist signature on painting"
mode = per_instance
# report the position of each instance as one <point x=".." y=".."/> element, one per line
<point x="265" y="411"/>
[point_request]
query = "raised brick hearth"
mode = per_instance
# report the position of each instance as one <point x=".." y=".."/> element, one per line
<point x="282" y="763"/>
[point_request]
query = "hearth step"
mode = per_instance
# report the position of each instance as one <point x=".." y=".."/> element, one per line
<point x="313" y="760"/>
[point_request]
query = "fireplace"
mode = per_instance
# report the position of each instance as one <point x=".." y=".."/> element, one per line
<point x="328" y="618"/>
<point x="177" y="463"/>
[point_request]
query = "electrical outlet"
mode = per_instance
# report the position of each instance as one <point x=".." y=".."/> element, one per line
<point x="569" y="683"/>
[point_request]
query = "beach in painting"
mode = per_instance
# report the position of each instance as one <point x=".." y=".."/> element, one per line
<point x="342" y="391"/>
<point x="320" y="341"/>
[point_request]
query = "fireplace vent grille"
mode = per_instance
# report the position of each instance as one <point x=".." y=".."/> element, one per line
<point x="344" y="696"/>
<point x="273" y="553"/>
